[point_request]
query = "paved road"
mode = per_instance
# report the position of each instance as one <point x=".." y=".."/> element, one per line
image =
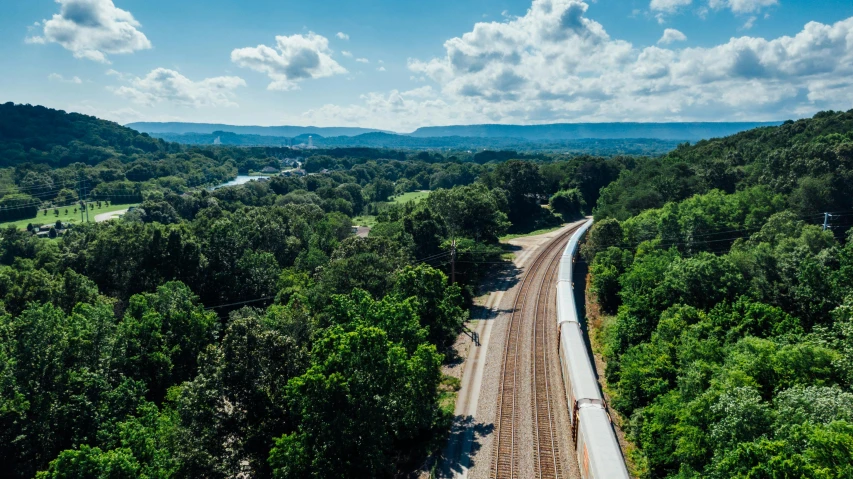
<point x="108" y="216"/>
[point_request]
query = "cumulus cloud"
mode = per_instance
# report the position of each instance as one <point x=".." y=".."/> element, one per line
<point x="164" y="85"/>
<point x="362" y="60"/>
<point x="92" y="29"/>
<point x="346" y="54"/>
<point x="671" y="35"/>
<point x="555" y="64"/>
<point x="295" y="58"/>
<point x="408" y="108"/>
<point x="342" y="36"/>
<point x="743" y="6"/>
<point x="57" y="77"/>
<point x="668" y="6"/>
<point x="380" y="69"/>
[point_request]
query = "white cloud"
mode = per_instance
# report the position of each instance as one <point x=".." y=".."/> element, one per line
<point x="750" y="22"/>
<point x="346" y="54"/>
<point x="743" y="6"/>
<point x="294" y="58"/>
<point x="407" y="108"/>
<point x="92" y="29"/>
<point x="342" y="36"/>
<point x="163" y="85"/>
<point x="362" y="60"/>
<point x="57" y="77"/>
<point x="554" y="64"/>
<point x="668" y="6"/>
<point x="380" y="69"/>
<point x="671" y="35"/>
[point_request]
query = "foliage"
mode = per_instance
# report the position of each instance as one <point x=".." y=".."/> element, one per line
<point x="728" y="347"/>
<point x="568" y="203"/>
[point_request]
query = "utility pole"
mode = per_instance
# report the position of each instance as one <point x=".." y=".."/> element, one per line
<point x="80" y="192"/>
<point x="453" y="262"/>
<point x="826" y="217"/>
<point x="84" y="200"/>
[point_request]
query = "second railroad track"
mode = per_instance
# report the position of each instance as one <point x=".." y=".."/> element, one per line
<point x="532" y="297"/>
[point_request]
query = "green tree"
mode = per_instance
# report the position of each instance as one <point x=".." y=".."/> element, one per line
<point x="359" y="381"/>
<point x="161" y="336"/>
<point x="568" y="203"/>
<point x="524" y="186"/>
<point x="440" y="306"/>
<point x="470" y="211"/>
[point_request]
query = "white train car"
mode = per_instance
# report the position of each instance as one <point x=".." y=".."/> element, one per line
<point x="566" y="310"/>
<point x="598" y="452"/>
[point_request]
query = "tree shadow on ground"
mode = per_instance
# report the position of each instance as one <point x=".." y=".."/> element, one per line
<point x="502" y="277"/>
<point x="463" y="426"/>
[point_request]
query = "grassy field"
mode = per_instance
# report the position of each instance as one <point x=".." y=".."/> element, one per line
<point x="71" y="217"/>
<point x="365" y="220"/>
<point x="448" y="390"/>
<point x="531" y="233"/>
<point x="415" y="196"/>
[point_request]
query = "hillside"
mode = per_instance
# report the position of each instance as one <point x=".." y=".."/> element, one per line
<point x="178" y="128"/>
<point x="724" y="304"/>
<point x="574" y="131"/>
<point x="809" y="160"/>
<point x="43" y="135"/>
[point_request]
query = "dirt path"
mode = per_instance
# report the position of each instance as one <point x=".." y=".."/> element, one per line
<point x="108" y="216"/>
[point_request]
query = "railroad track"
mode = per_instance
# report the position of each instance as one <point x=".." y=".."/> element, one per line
<point x="547" y="461"/>
<point x="505" y="453"/>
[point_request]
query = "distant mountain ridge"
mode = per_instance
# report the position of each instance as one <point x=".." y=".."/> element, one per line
<point x="601" y="147"/>
<point x="692" y="131"/>
<point x="676" y="131"/>
<point x="180" y="128"/>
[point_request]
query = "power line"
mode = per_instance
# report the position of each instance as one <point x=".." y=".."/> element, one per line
<point x="429" y="258"/>
<point x="240" y="302"/>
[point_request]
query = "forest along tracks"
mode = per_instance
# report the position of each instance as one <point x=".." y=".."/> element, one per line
<point x="533" y="296"/>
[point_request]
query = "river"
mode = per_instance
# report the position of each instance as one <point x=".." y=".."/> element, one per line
<point x="241" y="179"/>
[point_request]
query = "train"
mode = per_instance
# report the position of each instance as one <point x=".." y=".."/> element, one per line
<point x="597" y="448"/>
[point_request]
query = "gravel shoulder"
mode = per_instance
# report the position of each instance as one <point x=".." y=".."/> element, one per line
<point x="110" y="215"/>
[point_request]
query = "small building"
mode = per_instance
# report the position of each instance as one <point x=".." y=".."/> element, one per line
<point x="269" y="170"/>
<point x="297" y="172"/>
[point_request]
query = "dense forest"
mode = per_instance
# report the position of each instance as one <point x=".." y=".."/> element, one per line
<point x="246" y="330"/>
<point x="727" y="295"/>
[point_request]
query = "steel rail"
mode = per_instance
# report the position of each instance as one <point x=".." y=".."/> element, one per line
<point x="504" y="455"/>
<point x="547" y="455"/>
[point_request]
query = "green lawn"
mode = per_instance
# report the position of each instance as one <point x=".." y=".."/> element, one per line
<point x="365" y="220"/>
<point x="415" y="196"/>
<point x="71" y="217"/>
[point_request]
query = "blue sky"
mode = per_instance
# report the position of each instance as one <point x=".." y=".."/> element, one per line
<point x="398" y="65"/>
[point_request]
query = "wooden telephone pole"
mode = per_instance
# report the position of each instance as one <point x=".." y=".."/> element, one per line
<point x="453" y="262"/>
